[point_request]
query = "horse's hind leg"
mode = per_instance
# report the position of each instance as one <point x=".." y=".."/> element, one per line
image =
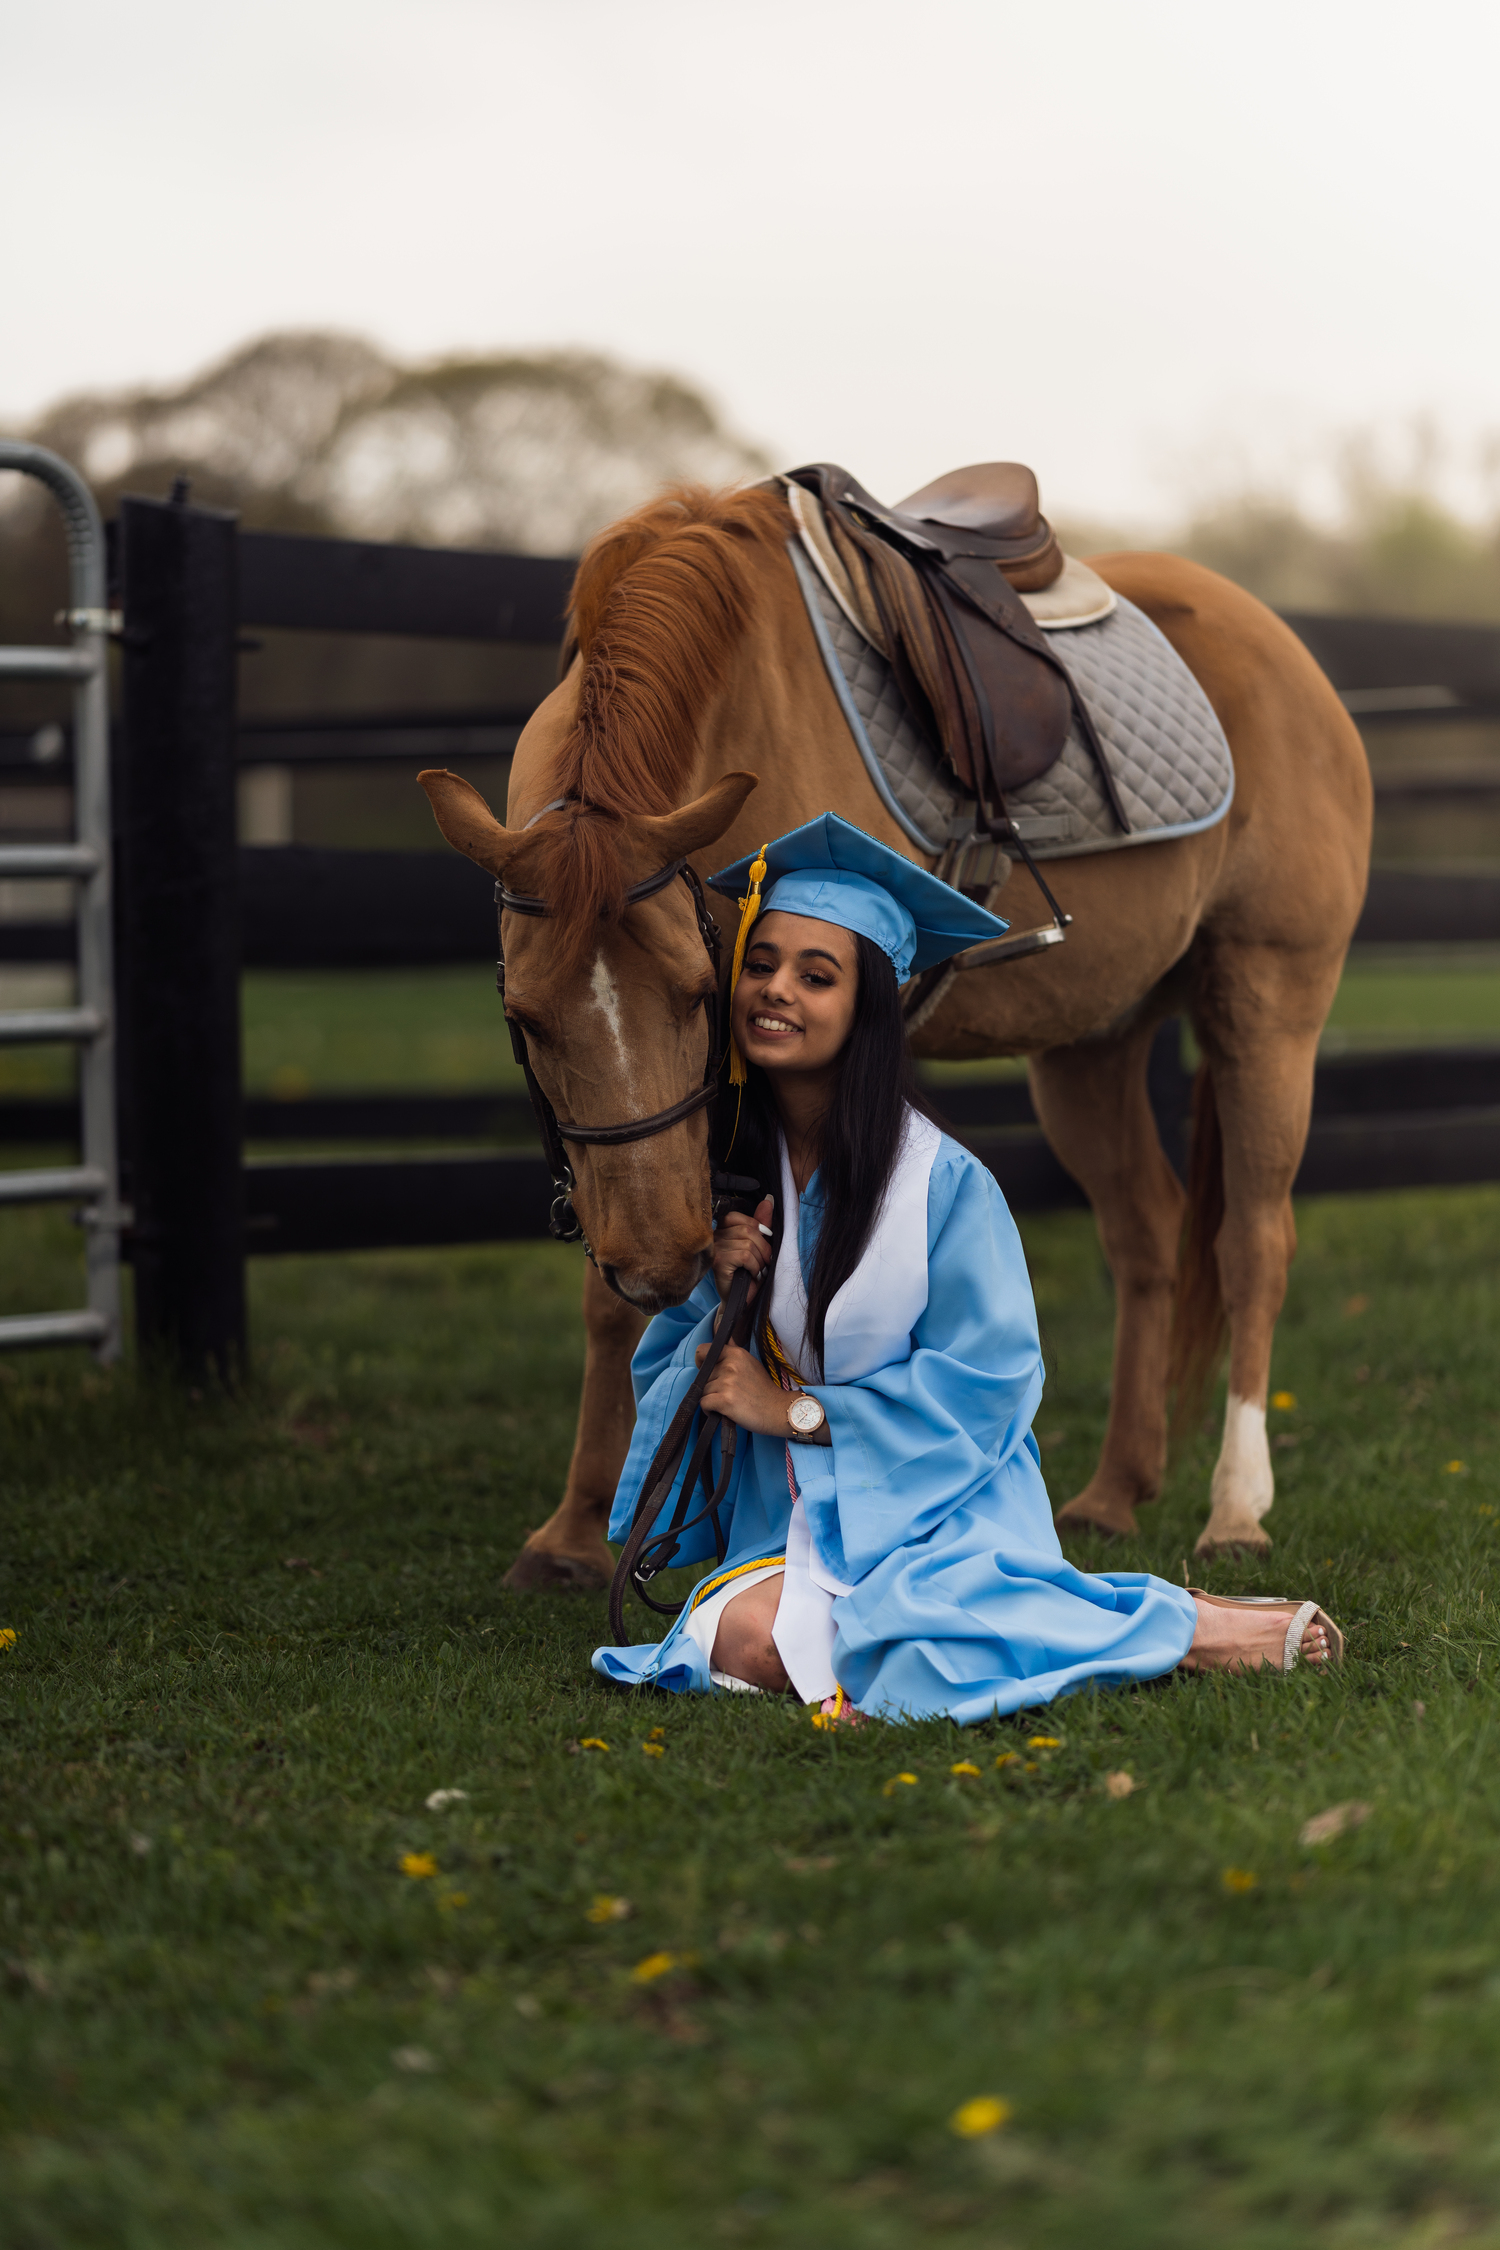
<point x="1094" y="1108"/>
<point x="569" y="1549"/>
<point x="1257" y="1013"/>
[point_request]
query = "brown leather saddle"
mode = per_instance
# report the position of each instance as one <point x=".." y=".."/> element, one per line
<point x="944" y="573"/>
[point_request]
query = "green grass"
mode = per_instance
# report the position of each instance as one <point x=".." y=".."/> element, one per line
<point x="306" y="1031"/>
<point x="255" y="1634"/>
<point x="1439" y="996"/>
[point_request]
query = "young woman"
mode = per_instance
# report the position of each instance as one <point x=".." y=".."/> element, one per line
<point x="890" y="1547"/>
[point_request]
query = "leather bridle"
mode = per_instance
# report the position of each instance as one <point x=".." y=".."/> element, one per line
<point x="563" y="1221"/>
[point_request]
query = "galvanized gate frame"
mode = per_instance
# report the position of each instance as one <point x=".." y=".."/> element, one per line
<point x="94" y="1183"/>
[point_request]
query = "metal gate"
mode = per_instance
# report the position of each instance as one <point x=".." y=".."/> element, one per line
<point x="94" y="1183"/>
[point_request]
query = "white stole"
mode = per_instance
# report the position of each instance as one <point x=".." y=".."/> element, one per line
<point x="870" y="1321"/>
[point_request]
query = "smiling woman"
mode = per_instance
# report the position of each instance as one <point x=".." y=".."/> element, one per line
<point x="888" y="1547"/>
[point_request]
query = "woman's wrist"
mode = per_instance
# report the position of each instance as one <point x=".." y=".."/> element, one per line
<point x="806" y="1420"/>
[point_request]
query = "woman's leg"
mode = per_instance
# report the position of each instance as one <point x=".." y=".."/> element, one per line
<point x="743" y="1646"/>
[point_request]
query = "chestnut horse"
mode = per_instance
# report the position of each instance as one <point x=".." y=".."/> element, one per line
<point x="695" y="718"/>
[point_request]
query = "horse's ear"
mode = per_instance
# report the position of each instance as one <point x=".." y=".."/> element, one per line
<point x="676" y="835"/>
<point x="466" y="820"/>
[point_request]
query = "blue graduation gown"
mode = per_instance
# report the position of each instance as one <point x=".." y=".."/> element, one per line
<point x="929" y="1504"/>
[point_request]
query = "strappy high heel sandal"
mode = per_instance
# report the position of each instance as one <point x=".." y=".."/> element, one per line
<point x="1303" y="1615"/>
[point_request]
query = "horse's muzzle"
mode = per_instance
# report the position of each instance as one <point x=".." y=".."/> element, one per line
<point x="651" y="1289"/>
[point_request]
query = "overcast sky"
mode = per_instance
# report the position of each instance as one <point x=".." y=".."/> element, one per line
<point x="1153" y="248"/>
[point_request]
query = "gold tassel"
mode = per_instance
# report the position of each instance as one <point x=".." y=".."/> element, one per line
<point x="749" y="908"/>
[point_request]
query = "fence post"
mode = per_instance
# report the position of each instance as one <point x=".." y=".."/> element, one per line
<point x="179" y="931"/>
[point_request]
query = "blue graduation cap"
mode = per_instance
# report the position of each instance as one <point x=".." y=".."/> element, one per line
<point x="834" y="872"/>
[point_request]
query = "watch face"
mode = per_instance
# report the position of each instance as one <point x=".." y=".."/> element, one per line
<point x="805" y="1414"/>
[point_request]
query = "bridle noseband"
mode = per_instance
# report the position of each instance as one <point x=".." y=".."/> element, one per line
<point x="563" y="1221"/>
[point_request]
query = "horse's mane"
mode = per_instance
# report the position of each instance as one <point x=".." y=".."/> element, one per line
<point x="658" y="607"/>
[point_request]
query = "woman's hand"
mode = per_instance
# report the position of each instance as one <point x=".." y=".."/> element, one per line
<point x="740" y="1242"/>
<point x="741" y="1390"/>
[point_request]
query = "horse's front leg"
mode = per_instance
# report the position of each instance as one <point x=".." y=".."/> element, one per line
<point x="569" y="1549"/>
<point x="1094" y="1107"/>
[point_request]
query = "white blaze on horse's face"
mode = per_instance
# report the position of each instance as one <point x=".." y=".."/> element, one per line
<point x="606" y="996"/>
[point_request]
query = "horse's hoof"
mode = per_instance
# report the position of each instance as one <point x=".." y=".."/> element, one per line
<point x="1083" y="1514"/>
<point x="1243" y="1536"/>
<point x="537" y="1570"/>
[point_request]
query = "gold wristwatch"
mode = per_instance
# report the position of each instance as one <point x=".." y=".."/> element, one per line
<point x="806" y="1417"/>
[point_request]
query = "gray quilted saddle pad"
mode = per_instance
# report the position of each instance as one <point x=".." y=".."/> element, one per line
<point x="1166" y="748"/>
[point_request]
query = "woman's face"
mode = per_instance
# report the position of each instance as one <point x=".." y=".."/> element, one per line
<point x="794" y="1003"/>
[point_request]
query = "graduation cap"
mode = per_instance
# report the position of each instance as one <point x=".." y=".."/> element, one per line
<point x="833" y="872"/>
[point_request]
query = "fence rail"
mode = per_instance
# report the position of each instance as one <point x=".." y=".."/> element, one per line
<point x="302" y="907"/>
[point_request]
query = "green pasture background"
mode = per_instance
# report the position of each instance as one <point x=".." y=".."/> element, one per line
<point x="734" y="1992"/>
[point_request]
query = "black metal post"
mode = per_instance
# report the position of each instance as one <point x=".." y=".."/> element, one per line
<point x="179" y="933"/>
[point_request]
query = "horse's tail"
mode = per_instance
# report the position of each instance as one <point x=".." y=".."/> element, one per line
<point x="1199" y="1322"/>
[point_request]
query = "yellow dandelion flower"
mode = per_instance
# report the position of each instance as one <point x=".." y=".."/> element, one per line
<point x="592" y="1742"/>
<point x="608" y="1909"/>
<point x="420" y="1866"/>
<point x="7" y="1636"/>
<point x="657" y="1734"/>
<point x="1454" y="1468"/>
<point x="1030" y="1766"/>
<point x="1238" y="1879"/>
<point x="986" y="2113"/>
<point x="654" y="1749"/>
<point x="964" y="1766"/>
<point x="899" y="1781"/>
<point x="1045" y="1742"/>
<point x="1009" y="1758"/>
<point x="1285" y="1402"/>
<point x="451" y="1901"/>
<point x="655" y="1965"/>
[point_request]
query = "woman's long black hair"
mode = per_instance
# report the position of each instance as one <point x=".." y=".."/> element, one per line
<point x="858" y="1145"/>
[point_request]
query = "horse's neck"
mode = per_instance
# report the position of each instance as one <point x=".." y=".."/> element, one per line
<point x="778" y="717"/>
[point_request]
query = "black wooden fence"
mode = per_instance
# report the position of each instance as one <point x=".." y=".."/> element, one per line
<point x="193" y="908"/>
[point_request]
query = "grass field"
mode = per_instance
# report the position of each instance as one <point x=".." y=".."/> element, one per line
<point x="258" y="1996"/>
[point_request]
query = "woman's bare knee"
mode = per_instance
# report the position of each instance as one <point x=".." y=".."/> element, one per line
<point x="743" y="1646"/>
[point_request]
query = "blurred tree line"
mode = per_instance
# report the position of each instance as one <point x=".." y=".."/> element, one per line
<point x="1398" y="554"/>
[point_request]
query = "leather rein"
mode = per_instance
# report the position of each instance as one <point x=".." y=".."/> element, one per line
<point x="563" y="1220"/>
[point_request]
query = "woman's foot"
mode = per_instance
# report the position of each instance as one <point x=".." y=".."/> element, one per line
<point x="1245" y="1636"/>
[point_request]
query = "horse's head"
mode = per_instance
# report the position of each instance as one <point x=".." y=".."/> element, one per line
<point x="676" y="676"/>
<point x="614" y="1005"/>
